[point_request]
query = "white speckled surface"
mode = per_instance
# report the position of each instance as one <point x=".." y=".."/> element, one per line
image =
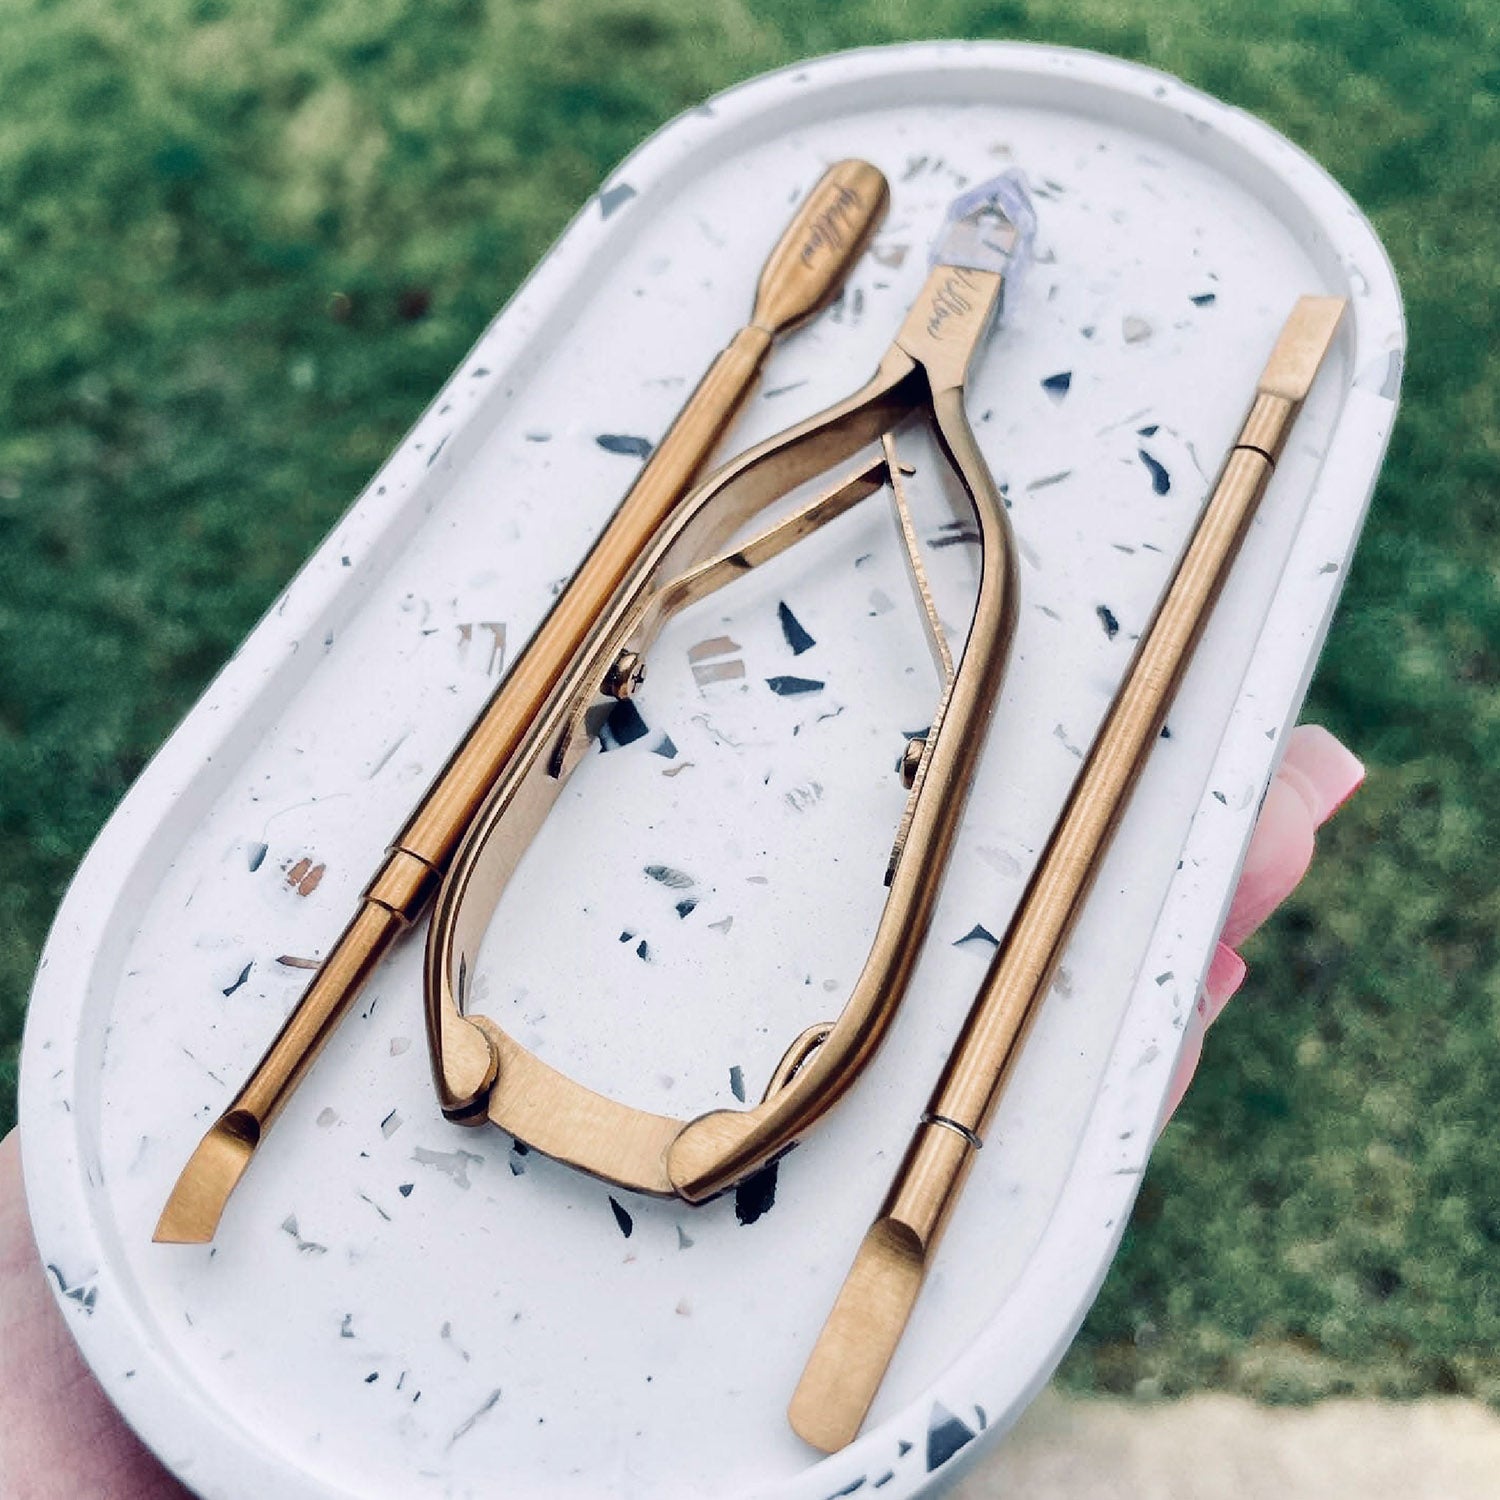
<point x="397" y="1306"/>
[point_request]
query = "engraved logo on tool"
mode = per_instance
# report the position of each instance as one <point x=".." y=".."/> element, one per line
<point x="949" y="301"/>
<point x="830" y="230"/>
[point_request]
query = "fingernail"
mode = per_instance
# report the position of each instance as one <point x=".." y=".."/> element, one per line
<point x="1324" y="772"/>
<point x="1226" y="973"/>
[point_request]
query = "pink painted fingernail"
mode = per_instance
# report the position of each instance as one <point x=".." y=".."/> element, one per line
<point x="1226" y="973"/>
<point x="1322" y="770"/>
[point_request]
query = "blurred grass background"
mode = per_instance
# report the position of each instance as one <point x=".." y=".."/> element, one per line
<point x="186" y="404"/>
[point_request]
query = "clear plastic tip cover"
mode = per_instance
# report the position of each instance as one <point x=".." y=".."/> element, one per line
<point x="989" y="228"/>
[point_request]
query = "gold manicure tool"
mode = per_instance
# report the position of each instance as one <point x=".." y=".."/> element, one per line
<point x="804" y="273"/>
<point x="482" y="1072"/>
<point x="850" y="1357"/>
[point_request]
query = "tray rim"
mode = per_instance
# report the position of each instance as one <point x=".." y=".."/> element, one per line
<point x="85" y="937"/>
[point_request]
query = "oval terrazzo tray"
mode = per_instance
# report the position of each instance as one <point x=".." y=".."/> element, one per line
<point x="397" y="1306"/>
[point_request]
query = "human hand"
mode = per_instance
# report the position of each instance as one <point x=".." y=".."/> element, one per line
<point x="60" y="1439"/>
<point x="1317" y="776"/>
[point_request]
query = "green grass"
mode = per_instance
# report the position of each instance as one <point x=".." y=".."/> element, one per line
<point x="185" y="407"/>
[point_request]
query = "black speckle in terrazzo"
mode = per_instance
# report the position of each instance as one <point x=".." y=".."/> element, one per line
<point x="1220" y="797"/>
<point x="622" y="1218"/>
<point x="902" y="1448"/>
<point x="1057" y="385"/>
<point x="372" y="1377"/>
<point x="1047" y="480"/>
<point x="452" y="1164"/>
<point x="643" y="951"/>
<point x="674" y="880"/>
<point x="84" y="1296"/>
<point x="962" y="536"/>
<point x="614" y="196"/>
<point x="781" y="390"/>
<point x="626" y="934"/>
<point x="754" y="1197"/>
<point x="978" y="933"/>
<point x="486" y="1405"/>
<point x="1161" y="481"/>
<point x="981" y="1417"/>
<point x="848" y="1489"/>
<point x="684" y="1239"/>
<point x="665" y="748"/>
<point x="538" y="437"/>
<point x="1165" y="977"/>
<point x="737" y="1082"/>
<point x="884" y="1479"/>
<point x="244" y="975"/>
<point x="346" y="1328"/>
<point x="306" y="1247"/>
<point x="791" y="687"/>
<point x="1166" y="733"/>
<point x="1107" y="620"/>
<point x="624" y="726"/>
<point x="257" y="856"/>
<point x="1149" y="431"/>
<point x="1203" y="299"/>
<point x="625" y="443"/>
<point x="946" y="1434"/>
<point x="405" y="1189"/>
<point x="685" y="906"/>
<point x="792" y="628"/>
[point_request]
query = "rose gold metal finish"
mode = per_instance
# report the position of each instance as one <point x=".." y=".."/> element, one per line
<point x="803" y="273"/>
<point x="689" y="557"/>
<point x="850" y="1357"/>
<point x="923" y="372"/>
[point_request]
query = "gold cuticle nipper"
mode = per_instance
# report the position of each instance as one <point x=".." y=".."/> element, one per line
<point x="480" y="1071"/>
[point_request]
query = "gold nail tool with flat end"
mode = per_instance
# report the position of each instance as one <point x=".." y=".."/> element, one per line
<point x="985" y="239"/>
<point x="803" y="274"/>
<point x="852" y="1353"/>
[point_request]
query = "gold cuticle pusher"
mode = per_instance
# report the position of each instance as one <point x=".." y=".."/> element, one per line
<point x="803" y="274"/>
<point x="974" y="262"/>
<point x="851" y="1355"/>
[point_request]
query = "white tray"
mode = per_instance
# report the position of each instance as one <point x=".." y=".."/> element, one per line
<point x="397" y="1306"/>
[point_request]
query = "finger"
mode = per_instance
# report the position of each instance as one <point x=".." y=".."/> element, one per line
<point x="1226" y="973"/>
<point x="1316" y="777"/>
<point x="1281" y="849"/>
<point x="59" y="1436"/>
<point x="1325" y="772"/>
